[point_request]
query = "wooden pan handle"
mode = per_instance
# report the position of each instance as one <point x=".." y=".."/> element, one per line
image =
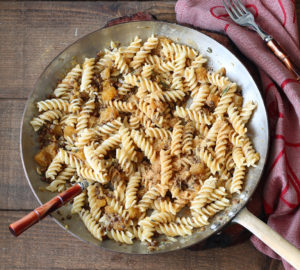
<point x="44" y="210"/>
<point x="283" y="57"/>
<point x="271" y="238"/>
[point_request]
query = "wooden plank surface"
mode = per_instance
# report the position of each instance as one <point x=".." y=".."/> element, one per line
<point x="14" y="190"/>
<point x="31" y="35"/>
<point x="52" y="248"/>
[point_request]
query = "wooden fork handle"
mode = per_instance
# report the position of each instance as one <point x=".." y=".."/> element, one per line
<point x="44" y="210"/>
<point x="283" y="57"/>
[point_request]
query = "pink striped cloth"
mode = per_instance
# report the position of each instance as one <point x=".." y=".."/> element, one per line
<point x="282" y="98"/>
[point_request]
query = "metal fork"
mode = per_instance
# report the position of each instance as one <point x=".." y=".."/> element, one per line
<point x="242" y="16"/>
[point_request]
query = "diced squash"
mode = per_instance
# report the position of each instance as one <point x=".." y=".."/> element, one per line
<point x="119" y="225"/>
<point x="201" y="73"/>
<point x="197" y="169"/>
<point x="109" y="210"/>
<point x="105" y="74"/>
<point x="109" y="93"/>
<point x="57" y="130"/>
<point x="222" y="71"/>
<point x="69" y="131"/>
<point x="101" y="203"/>
<point x="108" y="114"/>
<point x="133" y="212"/>
<point x="46" y="155"/>
<point x="212" y="100"/>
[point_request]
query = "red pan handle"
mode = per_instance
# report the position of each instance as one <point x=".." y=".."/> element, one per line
<point x="44" y="210"/>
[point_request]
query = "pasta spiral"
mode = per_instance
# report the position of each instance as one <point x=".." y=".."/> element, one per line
<point x="217" y="79"/>
<point x="91" y="224"/>
<point x="96" y="163"/>
<point x="87" y="74"/>
<point x="188" y="138"/>
<point x="174" y="229"/>
<point x="78" y="203"/>
<point x="148" y="198"/>
<point x="141" y="55"/>
<point x="84" y="115"/>
<point x="120" y="63"/>
<point x="221" y="144"/>
<point x="124" y="161"/>
<point x="200" y="97"/>
<point x="147" y="71"/>
<point x="197" y="221"/>
<point x="235" y="138"/>
<point x="158" y="133"/>
<point x="128" y="144"/>
<point x="191" y="79"/>
<point x="142" y="82"/>
<point x="85" y="137"/>
<point x="144" y="145"/>
<point x="238" y="157"/>
<point x="90" y="175"/>
<point x="148" y="229"/>
<point x="236" y="120"/>
<point x="177" y="83"/>
<point x="247" y="111"/>
<point x="172" y="96"/>
<point x="158" y="65"/>
<point x="225" y="100"/>
<point x="131" y="190"/>
<point x="133" y="48"/>
<point x="53" y="104"/>
<point x="122" y="106"/>
<point x="95" y="202"/>
<point x="215" y="207"/>
<point x="193" y="115"/>
<point x="165" y="205"/>
<point x="251" y="156"/>
<point x="176" y="143"/>
<point x="65" y="87"/>
<point x="209" y="160"/>
<point x="203" y="195"/>
<point x="107" y="145"/>
<point x="124" y="89"/>
<point x="54" y="167"/>
<point x="120" y="236"/>
<point x="45" y="117"/>
<point x="110" y="128"/>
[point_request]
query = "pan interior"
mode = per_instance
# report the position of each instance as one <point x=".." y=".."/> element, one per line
<point x="88" y="46"/>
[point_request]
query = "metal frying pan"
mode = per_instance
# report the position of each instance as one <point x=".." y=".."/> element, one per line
<point x="218" y="56"/>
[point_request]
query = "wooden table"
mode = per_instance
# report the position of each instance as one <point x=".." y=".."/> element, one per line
<point x="31" y="35"/>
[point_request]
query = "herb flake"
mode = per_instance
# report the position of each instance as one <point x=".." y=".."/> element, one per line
<point x="209" y="50"/>
<point x="165" y="85"/>
<point x="225" y="90"/>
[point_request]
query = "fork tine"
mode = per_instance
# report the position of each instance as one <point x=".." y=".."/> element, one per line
<point x="228" y="11"/>
<point x="242" y="6"/>
<point x="233" y="9"/>
<point x="236" y="5"/>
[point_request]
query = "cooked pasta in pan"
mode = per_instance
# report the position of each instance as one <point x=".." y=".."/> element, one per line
<point x="161" y="140"/>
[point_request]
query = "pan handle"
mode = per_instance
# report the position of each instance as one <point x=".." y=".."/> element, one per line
<point x="271" y="238"/>
<point x="44" y="210"/>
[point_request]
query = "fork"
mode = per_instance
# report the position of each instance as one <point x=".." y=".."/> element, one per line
<point x="242" y="16"/>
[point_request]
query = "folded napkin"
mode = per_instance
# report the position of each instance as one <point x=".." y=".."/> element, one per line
<point x="282" y="98"/>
